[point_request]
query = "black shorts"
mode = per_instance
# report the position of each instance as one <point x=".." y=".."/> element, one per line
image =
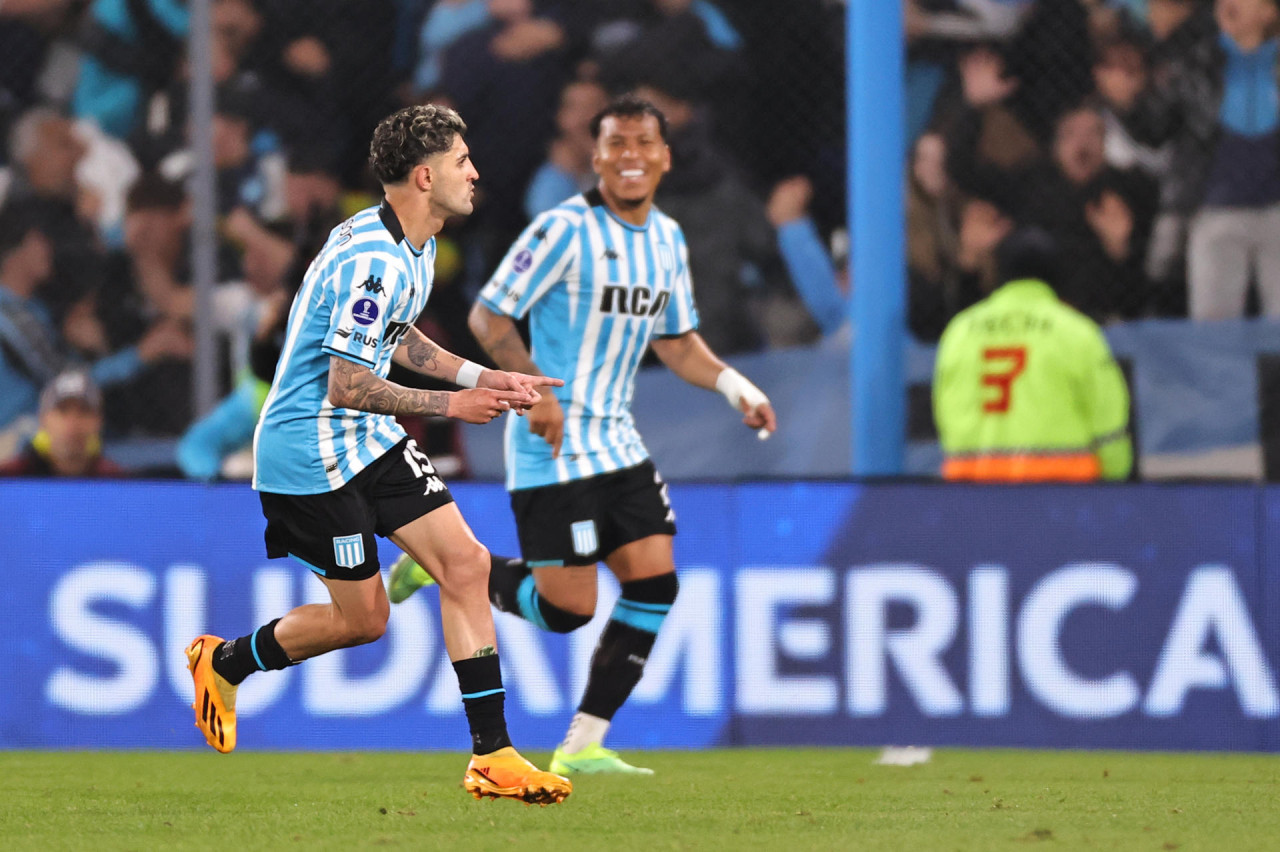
<point x="332" y="533"/>
<point x="582" y="522"/>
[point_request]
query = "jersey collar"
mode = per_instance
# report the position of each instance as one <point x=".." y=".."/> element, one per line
<point x="391" y="222"/>
<point x="596" y="199"/>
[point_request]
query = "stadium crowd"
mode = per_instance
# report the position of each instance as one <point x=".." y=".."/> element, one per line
<point x="1141" y="134"/>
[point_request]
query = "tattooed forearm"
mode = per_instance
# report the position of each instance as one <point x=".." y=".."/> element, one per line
<point x="352" y="385"/>
<point x="500" y="338"/>
<point x="423" y="354"/>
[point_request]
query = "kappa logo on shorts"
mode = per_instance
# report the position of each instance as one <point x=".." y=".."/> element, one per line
<point x="348" y="550"/>
<point x="584" y="537"/>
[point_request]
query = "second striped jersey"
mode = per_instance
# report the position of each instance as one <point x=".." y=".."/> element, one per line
<point x="596" y="290"/>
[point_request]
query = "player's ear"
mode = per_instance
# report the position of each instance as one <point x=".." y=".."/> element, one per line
<point x="666" y="158"/>
<point x="422" y="177"/>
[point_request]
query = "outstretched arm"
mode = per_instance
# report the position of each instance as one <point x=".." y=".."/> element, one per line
<point x="355" y="386"/>
<point x="690" y="358"/>
<point x="422" y="355"/>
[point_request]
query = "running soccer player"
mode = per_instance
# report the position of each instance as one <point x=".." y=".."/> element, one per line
<point x="332" y="466"/>
<point x="602" y="277"/>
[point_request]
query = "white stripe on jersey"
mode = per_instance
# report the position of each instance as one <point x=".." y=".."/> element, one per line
<point x="358" y="297"/>
<point x="596" y="291"/>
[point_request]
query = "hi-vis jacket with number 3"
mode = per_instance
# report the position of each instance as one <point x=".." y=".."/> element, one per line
<point x="1025" y="389"/>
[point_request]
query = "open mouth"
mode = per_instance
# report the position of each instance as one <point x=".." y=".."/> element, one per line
<point x="632" y="174"/>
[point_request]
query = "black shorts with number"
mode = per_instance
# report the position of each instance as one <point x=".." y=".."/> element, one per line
<point x="332" y="533"/>
<point x="582" y="522"/>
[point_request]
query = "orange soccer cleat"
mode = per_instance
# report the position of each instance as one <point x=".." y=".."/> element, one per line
<point x="504" y="774"/>
<point x="215" y="703"/>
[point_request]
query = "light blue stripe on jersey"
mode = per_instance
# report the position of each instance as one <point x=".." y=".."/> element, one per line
<point x="596" y="290"/>
<point x="356" y="301"/>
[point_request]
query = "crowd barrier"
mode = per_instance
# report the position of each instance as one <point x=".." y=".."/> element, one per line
<point x="1130" y="616"/>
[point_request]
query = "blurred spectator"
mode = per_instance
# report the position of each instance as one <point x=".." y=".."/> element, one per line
<point x="1235" y="236"/>
<point x="693" y="38"/>
<point x="445" y="23"/>
<point x="934" y="29"/>
<point x="1099" y="215"/>
<point x="46" y="152"/>
<point x="31" y="350"/>
<point x="1052" y="56"/>
<point x="951" y="242"/>
<point x="326" y="66"/>
<point x="1213" y="97"/>
<point x="808" y="263"/>
<point x="130" y="49"/>
<point x="990" y="145"/>
<point x="1025" y="388"/>
<point x="567" y="170"/>
<point x="505" y="77"/>
<point x="745" y="298"/>
<point x="69" y="440"/>
<point x="25" y="29"/>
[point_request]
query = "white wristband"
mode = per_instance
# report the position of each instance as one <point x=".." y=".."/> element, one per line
<point x="468" y="374"/>
<point x="734" y="387"/>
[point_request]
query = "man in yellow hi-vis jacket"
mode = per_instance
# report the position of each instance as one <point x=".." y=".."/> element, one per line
<point x="1025" y="387"/>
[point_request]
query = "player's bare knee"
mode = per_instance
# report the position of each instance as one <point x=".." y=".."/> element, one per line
<point x="364" y="628"/>
<point x="466" y="568"/>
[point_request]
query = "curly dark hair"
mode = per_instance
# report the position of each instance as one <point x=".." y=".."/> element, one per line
<point x="629" y="106"/>
<point x="405" y="138"/>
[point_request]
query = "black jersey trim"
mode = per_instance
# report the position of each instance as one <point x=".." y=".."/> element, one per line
<point x="391" y="222"/>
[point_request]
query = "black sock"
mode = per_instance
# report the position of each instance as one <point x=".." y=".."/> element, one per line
<point x="480" y="679"/>
<point x="624" y="646"/>
<point x="505" y="575"/>
<point x="257" y="652"/>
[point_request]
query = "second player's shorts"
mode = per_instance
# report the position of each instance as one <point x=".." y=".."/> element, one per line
<point x="582" y="522"/>
<point x="333" y="533"/>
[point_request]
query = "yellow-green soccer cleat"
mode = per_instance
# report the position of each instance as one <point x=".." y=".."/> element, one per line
<point x="407" y="577"/>
<point x="505" y="774"/>
<point x="592" y="760"/>
<point x="215" y="703"/>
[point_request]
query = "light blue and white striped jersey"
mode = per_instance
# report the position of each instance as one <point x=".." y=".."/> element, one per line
<point x="358" y="298"/>
<point x="597" y="290"/>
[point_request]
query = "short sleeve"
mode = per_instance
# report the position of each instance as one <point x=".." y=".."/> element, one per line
<point x="365" y="290"/>
<point x="543" y="255"/>
<point x="681" y="313"/>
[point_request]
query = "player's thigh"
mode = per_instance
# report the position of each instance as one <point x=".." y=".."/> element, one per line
<point x="442" y="542"/>
<point x="637" y="523"/>
<point x="557" y="525"/>
<point x="362" y="604"/>
<point x="648" y="557"/>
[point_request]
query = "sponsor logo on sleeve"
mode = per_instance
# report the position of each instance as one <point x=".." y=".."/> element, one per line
<point x="522" y="261"/>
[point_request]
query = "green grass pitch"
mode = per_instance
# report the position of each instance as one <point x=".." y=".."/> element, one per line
<point x="775" y="799"/>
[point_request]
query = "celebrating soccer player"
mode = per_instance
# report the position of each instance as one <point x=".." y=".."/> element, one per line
<point x="332" y="466"/>
<point x="602" y="277"/>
